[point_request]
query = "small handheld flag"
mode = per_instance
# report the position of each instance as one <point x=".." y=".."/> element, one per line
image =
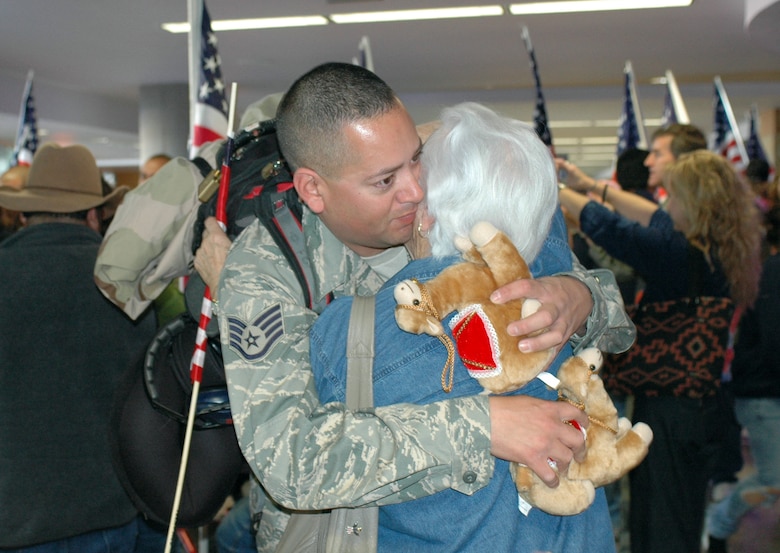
<point x="631" y="128"/>
<point x="364" y="59"/>
<point x="674" y="107"/>
<point x="727" y="140"/>
<point x="540" y="111"/>
<point x="27" y="134"/>
<point x="207" y="89"/>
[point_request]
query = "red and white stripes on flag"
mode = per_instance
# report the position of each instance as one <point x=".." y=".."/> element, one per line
<point x="208" y="106"/>
<point x="727" y="140"/>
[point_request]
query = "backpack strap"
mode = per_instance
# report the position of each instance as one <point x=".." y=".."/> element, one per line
<point x="278" y="208"/>
<point x="360" y="353"/>
<point x="356" y="530"/>
<point x="343" y="530"/>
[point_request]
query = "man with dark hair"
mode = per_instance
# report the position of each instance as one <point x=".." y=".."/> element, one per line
<point x="355" y="154"/>
<point x="631" y="173"/>
<point x="63" y="348"/>
<point x="668" y="143"/>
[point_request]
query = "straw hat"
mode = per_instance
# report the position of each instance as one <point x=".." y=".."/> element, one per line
<point x="61" y="180"/>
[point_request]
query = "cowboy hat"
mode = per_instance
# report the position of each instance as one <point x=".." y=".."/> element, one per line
<point x="61" y="180"/>
<point x="15" y="177"/>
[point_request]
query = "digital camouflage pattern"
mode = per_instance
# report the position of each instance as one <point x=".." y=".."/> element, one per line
<point x="311" y="456"/>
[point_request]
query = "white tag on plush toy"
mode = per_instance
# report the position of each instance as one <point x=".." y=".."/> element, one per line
<point x="523" y="505"/>
<point x="549" y="379"/>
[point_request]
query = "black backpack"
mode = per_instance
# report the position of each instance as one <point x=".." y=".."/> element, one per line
<point x="151" y="409"/>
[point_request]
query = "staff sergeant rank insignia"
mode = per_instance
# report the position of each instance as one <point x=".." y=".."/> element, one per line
<point x="254" y="340"/>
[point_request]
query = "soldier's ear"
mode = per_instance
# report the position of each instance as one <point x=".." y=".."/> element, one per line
<point x="309" y="185"/>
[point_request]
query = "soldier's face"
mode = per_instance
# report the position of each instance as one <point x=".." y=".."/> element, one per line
<point x="371" y="204"/>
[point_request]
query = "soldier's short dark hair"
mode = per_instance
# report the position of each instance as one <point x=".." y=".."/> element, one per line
<point x="311" y="115"/>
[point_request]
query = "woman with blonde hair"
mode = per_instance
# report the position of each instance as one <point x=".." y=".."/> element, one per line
<point x="707" y="234"/>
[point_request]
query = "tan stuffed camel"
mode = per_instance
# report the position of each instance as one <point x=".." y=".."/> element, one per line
<point x="492" y="356"/>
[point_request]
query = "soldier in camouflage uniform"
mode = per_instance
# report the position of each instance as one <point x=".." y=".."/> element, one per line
<point x="361" y="205"/>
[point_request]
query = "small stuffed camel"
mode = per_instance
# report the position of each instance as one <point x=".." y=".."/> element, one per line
<point x="492" y="356"/>
<point x="613" y="446"/>
<point x="489" y="353"/>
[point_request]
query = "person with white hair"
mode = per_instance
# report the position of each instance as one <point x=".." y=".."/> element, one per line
<point x="477" y="167"/>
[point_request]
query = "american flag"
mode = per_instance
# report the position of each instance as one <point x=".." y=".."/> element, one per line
<point x="631" y="128"/>
<point x="209" y="120"/>
<point x="669" y="116"/>
<point x="727" y="140"/>
<point x="540" y="111"/>
<point x="674" y="108"/>
<point x="753" y="145"/>
<point x="27" y="135"/>
<point x="364" y="59"/>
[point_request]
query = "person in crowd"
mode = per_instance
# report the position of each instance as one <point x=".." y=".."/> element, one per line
<point x="151" y="166"/>
<point x="757" y="173"/>
<point x="63" y="349"/>
<point x="478" y="166"/>
<point x="631" y="174"/>
<point x="710" y="223"/>
<point x="756" y="385"/>
<point x="355" y="155"/>
<point x="667" y="144"/>
<point x="10" y="221"/>
<point x="170" y="302"/>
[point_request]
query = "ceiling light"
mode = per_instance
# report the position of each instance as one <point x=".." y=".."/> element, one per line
<point x="416" y="15"/>
<point x="258" y="23"/>
<point x="575" y="6"/>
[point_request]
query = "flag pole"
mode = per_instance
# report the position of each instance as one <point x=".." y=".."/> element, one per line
<point x="201" y="339"/>
<point x="677" y="101"/>
<point x="724" y="99"/>
<point x="194" y="15"/>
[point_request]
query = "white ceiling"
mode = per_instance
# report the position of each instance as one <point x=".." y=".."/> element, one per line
<point x="90" y="58"/>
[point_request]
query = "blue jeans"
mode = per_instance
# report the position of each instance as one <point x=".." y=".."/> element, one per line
<point x="234" y="533"/>
<point x="112" y="540"/>
<point x="761" y="418"/>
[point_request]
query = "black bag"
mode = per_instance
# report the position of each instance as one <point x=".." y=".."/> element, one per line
<point x="151" y="409"/>
<point x="149" y="421"/>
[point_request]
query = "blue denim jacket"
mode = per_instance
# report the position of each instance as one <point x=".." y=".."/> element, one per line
<point x="407" y="368"/>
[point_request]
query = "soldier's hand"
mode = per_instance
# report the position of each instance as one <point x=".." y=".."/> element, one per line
<point x="210" y="256"/>
<point x="566" y="304"/>
<point x="532" y="431"/>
